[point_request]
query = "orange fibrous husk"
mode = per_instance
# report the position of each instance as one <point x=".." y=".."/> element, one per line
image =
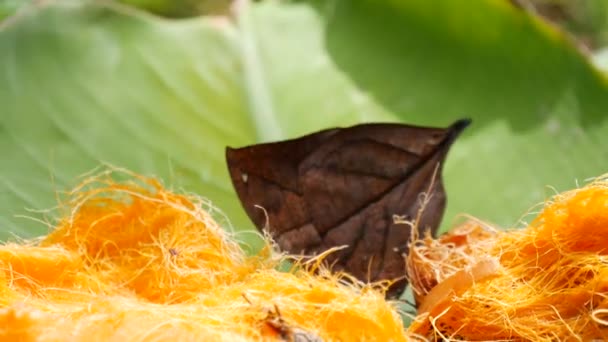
<point x="548" y="281"/>
<point x="134" y="261"/>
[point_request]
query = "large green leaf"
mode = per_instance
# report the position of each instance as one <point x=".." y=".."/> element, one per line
<point x="538" y="106"/>
<point x="88" y="84"/>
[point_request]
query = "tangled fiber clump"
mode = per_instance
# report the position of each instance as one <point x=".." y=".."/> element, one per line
<point x="547" y="282"/>
<point x="133" y="261"/>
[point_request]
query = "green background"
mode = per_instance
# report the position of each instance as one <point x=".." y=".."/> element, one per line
<point x="86" y="84"/>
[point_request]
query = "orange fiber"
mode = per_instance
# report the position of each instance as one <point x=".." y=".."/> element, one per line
<point x="547" y="282"/>
<point x="133" y="261"/>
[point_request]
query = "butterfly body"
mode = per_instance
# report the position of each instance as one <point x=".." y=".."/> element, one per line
<point x="343" y="187"/>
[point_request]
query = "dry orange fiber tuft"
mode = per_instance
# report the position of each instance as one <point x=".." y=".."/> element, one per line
<point x="135" y="262"/>
<point x="547" y="282"/>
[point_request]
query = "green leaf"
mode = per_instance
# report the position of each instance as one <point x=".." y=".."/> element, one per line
<point x="87" y="85"/>
<point x="539" y="108"/>
<point x="90" y="84"/>
<point x="182" y="8"/>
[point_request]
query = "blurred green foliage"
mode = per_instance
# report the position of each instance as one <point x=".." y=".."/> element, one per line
<point x="9" y="7"/>
<point x="182" y="8"/>
<point x="88" y="83"/>
<point x="585" y="19"/>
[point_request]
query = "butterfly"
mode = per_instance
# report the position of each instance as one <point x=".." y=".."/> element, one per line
<point x="343" y="187"/>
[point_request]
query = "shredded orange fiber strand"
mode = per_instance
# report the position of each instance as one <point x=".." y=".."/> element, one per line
<point x="133" y="261"/>
<point x="547" y="282"/>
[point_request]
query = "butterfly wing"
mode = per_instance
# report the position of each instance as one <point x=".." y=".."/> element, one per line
<point x="265" y="177"/>
<point x="343" y="187"/>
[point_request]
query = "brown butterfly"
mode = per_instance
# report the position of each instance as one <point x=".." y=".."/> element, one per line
<point x="343" y="187"/>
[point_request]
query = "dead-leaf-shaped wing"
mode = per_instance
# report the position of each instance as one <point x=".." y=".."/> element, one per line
<point x="342" y="187"/>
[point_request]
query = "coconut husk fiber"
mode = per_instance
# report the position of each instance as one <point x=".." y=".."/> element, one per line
<point x="546" y="282"/>
<point x="133" y="261"/>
